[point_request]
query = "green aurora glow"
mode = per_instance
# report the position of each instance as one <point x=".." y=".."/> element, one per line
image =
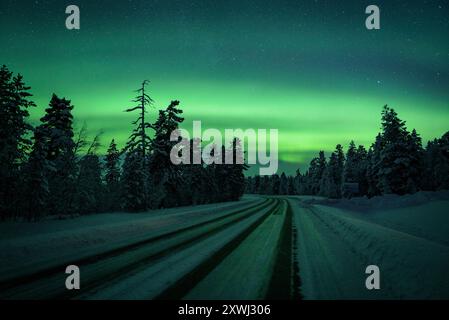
<point x="307" y="68"/>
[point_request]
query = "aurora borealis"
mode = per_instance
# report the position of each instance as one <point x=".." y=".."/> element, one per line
<point x="308" y="68"/>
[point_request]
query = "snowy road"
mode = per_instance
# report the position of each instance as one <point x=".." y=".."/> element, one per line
<point x="176" y="263"/>
<point x="258" y="248"/>
<point x="335" y="246"/>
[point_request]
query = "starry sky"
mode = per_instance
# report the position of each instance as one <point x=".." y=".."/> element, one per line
<point x="308" y="68"/>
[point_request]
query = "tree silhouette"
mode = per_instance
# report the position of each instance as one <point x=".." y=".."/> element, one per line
<point x="57" y="127"/>
<point x="138" y="145"/>
<point x="14" y="142"/>
<point x="112" y="177"/>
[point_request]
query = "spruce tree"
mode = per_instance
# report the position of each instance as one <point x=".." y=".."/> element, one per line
<point x="436" y="164"/>
<point x="14" y="141"/>
<point x="36" y="171"/>
<point x="57" y="126"/>
<point x="328" y="185"/>
<point x="373" y="163"/>
<point x="297" y="183"/>
<point x="90" y="189"/>
<point x="132" y="182"/>
<point x="396" y="164"/>
<point x="236" y="177"/>
<point x="362" y="169"/>
<point x="350" y="169"/>
<point x="283" y="185"/>
<point x="416" y="161"/>
<point x="257" y="183"/>
<point x="136" y="149"/>
<point x="331" y="184"/>
<point x="112" y="178"/>
<point x="164" y="176"/>
<point x="315" y="174"/>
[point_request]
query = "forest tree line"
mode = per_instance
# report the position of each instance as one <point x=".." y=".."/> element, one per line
<point x="50" y="169"/>
<point x="396" y="163"/>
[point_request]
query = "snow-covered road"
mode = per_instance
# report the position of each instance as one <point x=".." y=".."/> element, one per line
<point x="166" y="265"/>
<point x="335" y="246"/>
<point x="262" y="247"/>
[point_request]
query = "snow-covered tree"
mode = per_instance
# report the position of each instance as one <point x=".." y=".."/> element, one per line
<point x="57" y="126"/>
<point x="436" y="164"/>
<point x="373" y="163"/>
<point x="112" y="177"/>
<point x="350" y="169"/>
<point x="136" y="149"/>
<point x="14" y="141"/>
<point x="312" y="178"/>
<point x="283" y="185"/>
<point x="362" y="167"/>
<point x="236" y="177"/>
<point x="36" y="171"/>
<point x="90" y="188"/>
<point x="331" y="183"/>
<point x="398" y="157"/>
<point x="164" y="176"/>
<point x="297" y="183"/>
<point x="133" y="198"/>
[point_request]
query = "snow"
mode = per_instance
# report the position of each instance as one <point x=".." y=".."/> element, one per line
<point x="407" y="237"/>
<point x="26" y="247"/>
<point x="153" y="278"/>
<point x="245" y="273"/>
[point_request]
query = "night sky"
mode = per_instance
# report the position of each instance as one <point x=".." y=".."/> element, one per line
<point x="308" y="68"/>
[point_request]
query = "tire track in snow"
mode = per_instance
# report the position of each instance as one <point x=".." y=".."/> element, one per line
<point x="29" y="285"/>
<point x="285" y="281"/>
<point x="182" y="287"/>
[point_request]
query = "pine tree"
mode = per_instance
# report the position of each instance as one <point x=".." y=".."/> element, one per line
<point x="164" y="176"/>
<point x="416" y="160"/>
<point x="315" y="174"/>
<point x="57" y="125"/>
<point x="14" y="143"/>
<point x="396" y="163"/>
<point x="291" y="186"/>
<point x="373" y="163"/>
<point x="436" y="164"/>
<point x="112" y="177"/>
<point x="36" y="172"/>
<point x="196" y="181"/>
<point x="362" y="169"/>
<point x="297" y="183"/>
<point x="249" y="185"/>
<point x="283" y="185"/>
<point x="350" y="169"/>
<point x="331" y="184"/>
<point x="257" y="183"/>
<point x="138" y="146"/>
<point x="90" y="188"/>
<point x="132" y="182"/>
<point x="265" y="185"/>
<point x="236" y="177"/>
<point x="328" y="187"/>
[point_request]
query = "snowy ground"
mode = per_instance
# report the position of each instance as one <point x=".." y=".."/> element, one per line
<point x="26" y="246"/>
<point x="407" y="237"/>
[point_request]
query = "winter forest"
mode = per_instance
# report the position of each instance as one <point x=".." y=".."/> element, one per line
<point x="52" y="166"/>
<point x="51" y="169"/>
<point x="396" y="163"/>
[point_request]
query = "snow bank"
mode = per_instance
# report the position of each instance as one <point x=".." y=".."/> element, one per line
<point x="407" y="237"/>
